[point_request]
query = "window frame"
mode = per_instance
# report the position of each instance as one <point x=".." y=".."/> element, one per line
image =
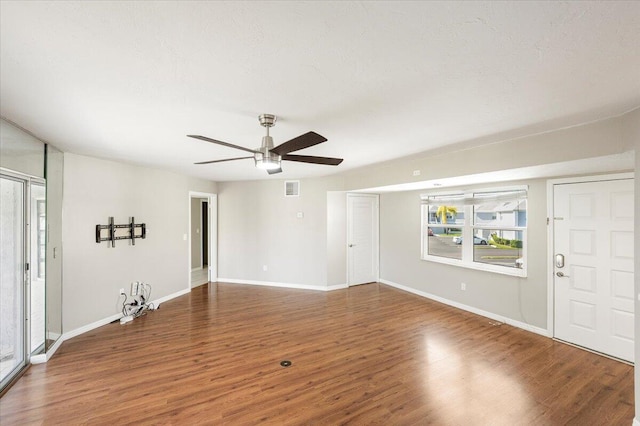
<point x="468" y="230"/>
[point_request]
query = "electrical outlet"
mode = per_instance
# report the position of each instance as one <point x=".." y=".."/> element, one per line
<point x="122" y="291"/>
<point x="135" y="288"/>
<point x="416" y="172"/>
<point x="264" y="268"/>
<point x="463" y="286"/>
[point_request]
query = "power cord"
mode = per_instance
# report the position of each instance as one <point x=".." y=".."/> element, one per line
<point x="139" y="305"/>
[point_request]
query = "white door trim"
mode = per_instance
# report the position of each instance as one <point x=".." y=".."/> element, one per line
<point x="202" y="201"/>
<point x="213" y="238"/>
<point x="550" y="235"/>
<point x="213" y="235"/>
<point x="376" y="239"/>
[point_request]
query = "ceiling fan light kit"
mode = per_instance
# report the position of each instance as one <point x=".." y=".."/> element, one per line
<point x="267" y="161"/>
<point x="264" y="159"/>
<point x="268" y="157"/>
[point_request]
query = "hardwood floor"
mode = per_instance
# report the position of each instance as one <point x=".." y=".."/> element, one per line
<point x="367" y="355"/>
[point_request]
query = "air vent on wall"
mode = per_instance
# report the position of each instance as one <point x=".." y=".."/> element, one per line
<point x="292" y="188"/>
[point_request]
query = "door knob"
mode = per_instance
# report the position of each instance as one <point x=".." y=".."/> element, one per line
<point x="351" y="245"/>
<point x="561" y="275"/>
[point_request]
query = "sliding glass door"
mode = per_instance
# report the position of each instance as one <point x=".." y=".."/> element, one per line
<point x="13" y="347"/>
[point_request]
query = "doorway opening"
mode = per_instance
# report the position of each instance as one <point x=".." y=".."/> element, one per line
<point x="202" y="238"/>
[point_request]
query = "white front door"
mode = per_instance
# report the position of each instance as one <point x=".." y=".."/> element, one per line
<point x="593" y="265"/>
<point x="362" y="236"/>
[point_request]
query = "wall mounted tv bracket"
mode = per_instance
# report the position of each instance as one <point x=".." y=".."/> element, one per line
<point x="131" y="234"/>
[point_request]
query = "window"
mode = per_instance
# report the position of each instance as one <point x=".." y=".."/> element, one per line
<point x="444" y="225"/>
<point x="481" y="229"/>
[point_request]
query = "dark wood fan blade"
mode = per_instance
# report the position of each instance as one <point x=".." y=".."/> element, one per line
<point x="301" y="142"/>
<point x="230" y="145"/>
<point x="274" y="171"/>
<point x="221" y="161"/>
<point x="329" y="161"/>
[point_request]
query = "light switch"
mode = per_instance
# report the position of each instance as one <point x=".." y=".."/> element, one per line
<point x="300" y="215"/>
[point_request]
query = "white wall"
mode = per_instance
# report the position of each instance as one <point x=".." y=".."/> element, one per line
<point x="95" y="189"/>
<point x="337" y="238"/>
<point x="258" y="225"/>
<point x="21" y="152"/>
<point x="520" y="299"/>
<point x="55" y="182"/>
<point x="496" y="153"/>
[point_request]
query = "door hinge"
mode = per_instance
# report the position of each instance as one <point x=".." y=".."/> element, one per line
<point x="26" y="266"/>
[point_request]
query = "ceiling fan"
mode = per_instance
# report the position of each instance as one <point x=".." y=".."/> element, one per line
<point x="268" y="157"/>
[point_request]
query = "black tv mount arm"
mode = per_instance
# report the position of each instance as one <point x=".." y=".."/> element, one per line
<point x="131" y="235"/>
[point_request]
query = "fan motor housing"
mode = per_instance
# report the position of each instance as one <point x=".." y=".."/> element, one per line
<point x="267" y="120"/>
<point x="267" y="143"/>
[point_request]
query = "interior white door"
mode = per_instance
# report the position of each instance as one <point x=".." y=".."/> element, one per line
<point x="362" y="238"/>
<point x="594" y="289"/>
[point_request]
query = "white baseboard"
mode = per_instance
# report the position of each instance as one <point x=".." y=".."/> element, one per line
<point x="42" y="358"/>
<point x="337" y="287"/>
<point x="171" y="296"/>
<point x="496" y="317"/>
<point x="85" y="328"/>
<point x="39" y="359"/>
<point x="285" y="285"/>
<point x="636" y="422"/>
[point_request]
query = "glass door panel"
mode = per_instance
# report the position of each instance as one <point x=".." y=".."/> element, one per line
<point x="12" y="294"/>
<point x="38" y="230"/>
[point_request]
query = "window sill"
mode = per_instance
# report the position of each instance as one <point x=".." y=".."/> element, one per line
<point x="502" y="270"/>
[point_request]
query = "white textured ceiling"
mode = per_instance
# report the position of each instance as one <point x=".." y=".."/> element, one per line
<point x="128" y="80"/>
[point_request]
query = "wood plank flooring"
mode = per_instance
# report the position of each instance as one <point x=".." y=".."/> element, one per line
<point x="366" y="355"/>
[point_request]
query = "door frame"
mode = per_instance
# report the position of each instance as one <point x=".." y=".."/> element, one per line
<point x="550" y="235"/>
<point x="32" y="227"/>
<point x="212" y="265"/>
<point x="202" y="263"/>
<point x="376" y="239"/>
